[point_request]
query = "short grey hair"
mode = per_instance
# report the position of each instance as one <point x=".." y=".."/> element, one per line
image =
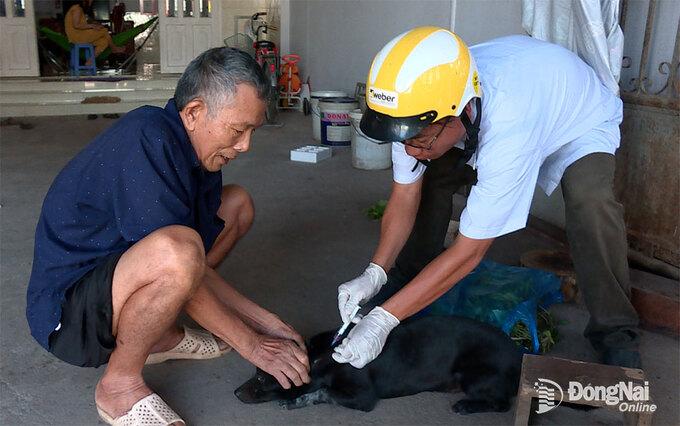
<point x="213" y="76"/>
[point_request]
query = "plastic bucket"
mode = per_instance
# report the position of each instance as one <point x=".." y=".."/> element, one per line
<point x="314" y="99"/>
<point x="336" y="128"/>
<point x="367" y="153"/>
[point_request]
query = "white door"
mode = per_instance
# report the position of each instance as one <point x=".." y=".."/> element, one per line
<point x="18" y="43"/>
<point x="187" y="28"/>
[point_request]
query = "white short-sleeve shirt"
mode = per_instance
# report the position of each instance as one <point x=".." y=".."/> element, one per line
<point x="542" y="109"/>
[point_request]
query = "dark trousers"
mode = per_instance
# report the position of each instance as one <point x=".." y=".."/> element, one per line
<point x="595" y="229"/>
<point x="598" y="247"/>
<point x="440" y="183"/>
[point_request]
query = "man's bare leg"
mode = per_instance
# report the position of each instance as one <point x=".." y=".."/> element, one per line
<point x="151" y="283"/>
<point x="237" y="211"/>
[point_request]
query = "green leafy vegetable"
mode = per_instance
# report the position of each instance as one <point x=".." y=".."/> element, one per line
<point x="546" y="326"/>
<point x="377" y="210"/>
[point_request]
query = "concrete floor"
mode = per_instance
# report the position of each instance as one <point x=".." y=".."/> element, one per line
<point x="311" y="233"/>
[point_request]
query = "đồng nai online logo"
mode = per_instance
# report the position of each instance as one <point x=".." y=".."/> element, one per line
<point x="629" y="396"/>
<point x="549" y="392"/>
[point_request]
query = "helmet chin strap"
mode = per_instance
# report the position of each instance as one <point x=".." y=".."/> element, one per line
<point x="472" y="132"/>
<point x="471" y="140"/>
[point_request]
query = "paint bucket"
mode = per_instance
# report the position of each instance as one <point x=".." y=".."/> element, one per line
<point x="336" y="128"/>
<point x="367" y="153"/>
<point x="315" y="97"/>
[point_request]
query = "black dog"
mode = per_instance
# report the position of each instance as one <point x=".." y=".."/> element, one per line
<point x="436" y="353"/>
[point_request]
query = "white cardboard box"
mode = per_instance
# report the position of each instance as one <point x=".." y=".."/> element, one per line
<point x="310" y="153"/>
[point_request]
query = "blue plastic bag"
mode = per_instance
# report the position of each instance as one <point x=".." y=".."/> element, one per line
<point x="500" y="295"/>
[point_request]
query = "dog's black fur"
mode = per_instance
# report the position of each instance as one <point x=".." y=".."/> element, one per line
<point x="436" y="353"/>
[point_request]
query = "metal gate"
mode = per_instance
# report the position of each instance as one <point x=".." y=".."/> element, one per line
<point x="648" y="162"/>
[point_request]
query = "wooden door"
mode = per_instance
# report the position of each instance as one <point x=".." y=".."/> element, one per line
<point x="187" y="28"/>
<point x="18" y="42"/>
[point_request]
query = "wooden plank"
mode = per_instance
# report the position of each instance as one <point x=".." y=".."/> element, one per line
<point x="541" y="370"/>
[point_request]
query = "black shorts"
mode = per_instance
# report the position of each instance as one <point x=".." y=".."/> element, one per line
<point x="84" y="337"/>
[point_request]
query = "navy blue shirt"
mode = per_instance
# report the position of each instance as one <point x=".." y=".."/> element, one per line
<point x="139" y="175"/>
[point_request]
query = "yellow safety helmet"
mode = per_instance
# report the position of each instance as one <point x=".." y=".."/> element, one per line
<point x="418" y="78"/>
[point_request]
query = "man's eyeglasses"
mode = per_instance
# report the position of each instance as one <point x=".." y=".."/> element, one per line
<point x="417" y="142"/>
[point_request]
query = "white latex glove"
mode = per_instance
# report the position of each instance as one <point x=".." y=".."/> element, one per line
<point x="366" y="340"/>
<point x="360" y="290"/>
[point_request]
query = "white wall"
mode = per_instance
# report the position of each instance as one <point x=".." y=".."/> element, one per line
<point x="232" y="8"/>
<point x="476" y="21"/>
<point x="337" y="39"/>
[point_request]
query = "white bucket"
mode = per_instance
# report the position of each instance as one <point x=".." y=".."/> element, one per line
<point x="314" y="103"/>
<point x="336" y="128"/>
<point x="367" y="153"/>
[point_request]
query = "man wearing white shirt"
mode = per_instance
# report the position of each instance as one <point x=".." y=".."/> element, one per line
<point x="504" y="115"/>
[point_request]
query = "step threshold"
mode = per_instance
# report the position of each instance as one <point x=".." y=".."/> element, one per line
<point x="35" y="110"/>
